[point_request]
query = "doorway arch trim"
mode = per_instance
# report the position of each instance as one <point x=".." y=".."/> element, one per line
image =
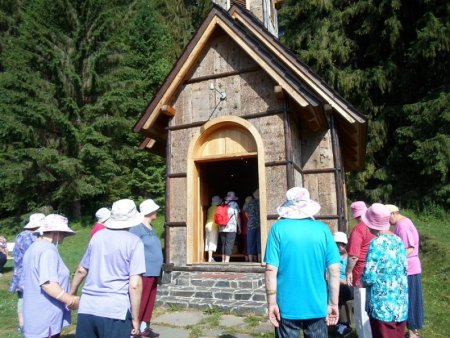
<point x="252" y="146"/>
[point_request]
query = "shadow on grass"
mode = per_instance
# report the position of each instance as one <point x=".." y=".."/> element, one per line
<point x="7" y="269"/>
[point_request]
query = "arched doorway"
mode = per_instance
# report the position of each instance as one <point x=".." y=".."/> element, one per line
<point x="227" y="154"/>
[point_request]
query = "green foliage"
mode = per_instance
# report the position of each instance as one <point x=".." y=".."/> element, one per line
<point x="75" y="76"/>
<point x="390" y="59"/>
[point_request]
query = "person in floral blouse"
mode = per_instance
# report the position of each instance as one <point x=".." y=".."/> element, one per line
<point x="385" y="277"/>
<point x="22" y="243"/>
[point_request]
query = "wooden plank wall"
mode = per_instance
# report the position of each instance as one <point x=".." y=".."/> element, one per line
<point x="317" y="156"/>
<point x="248" y="91"/>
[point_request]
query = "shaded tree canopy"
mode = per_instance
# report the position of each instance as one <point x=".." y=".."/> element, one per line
<point x="390" y="59"/>
<point x="76" y="75"/>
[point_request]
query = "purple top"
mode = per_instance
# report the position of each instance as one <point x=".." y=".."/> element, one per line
<point x="43" y="315"/>
<point x="111" y="258"/>
<point x="406" y="230"/>
<point x="22" y="243"/>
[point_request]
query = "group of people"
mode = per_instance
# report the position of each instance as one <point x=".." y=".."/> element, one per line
<point x="120" y="269"/>
<point x="309" y="272"/>
<point x="245" y="223"/>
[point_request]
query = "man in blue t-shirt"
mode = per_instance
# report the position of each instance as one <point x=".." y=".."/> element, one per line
<point x="299" y="253"/>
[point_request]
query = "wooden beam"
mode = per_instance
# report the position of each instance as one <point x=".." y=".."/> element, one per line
<point x="168" y="110"/>
<point x="222" y="75"/>
<point x="185" y="65"/>
<point x="144" y="143"/>
<point x="279" y="93"/>
<point x="267" y="67"/>
<point x="336" y="102"/>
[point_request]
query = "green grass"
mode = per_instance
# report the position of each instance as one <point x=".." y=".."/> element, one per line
<point x="434" y="228"/>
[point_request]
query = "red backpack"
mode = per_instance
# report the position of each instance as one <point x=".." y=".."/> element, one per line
<point x="221" y="217"/>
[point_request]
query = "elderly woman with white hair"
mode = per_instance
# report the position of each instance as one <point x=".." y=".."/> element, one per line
<point x="46" y="302"/>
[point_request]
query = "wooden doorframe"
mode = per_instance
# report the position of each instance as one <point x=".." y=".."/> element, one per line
<point x="194" y="214"/>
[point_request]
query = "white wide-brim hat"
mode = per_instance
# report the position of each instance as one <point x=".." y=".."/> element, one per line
<point x="147" y="207"/>
<point x="103" y="214"/>
<point x="55" y="223"/>
<point x="35" y="221"/>
<point x="298" y="205"/>
<point x="340" y="237"/>
<point x="124" y="215"/>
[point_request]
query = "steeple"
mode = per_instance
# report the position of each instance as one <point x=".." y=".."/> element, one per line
<point x="264" y="10"/>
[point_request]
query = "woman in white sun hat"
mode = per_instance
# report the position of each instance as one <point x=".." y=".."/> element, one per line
<point x="112" y="265"/>
<point x="102" y="216"/>
<point x="46" y="302"/>
<point x="153" y="264"/>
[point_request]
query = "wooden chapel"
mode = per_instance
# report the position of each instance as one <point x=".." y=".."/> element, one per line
<point x="237" y="112"/>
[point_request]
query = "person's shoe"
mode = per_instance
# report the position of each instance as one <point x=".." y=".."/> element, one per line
<point x="148" y="332"/>
<point x="343" y="330"/>
<point x="212" y="260"/>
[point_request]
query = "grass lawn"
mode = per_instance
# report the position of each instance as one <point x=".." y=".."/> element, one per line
<point x="435" y="256"/>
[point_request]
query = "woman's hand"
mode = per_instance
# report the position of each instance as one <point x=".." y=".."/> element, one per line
<point x="74" y="303"/>
<point x="135" y="331"/>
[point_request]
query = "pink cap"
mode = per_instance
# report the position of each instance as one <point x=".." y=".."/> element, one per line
<point x="377" y="217"/>
<point x="358" y="208"/>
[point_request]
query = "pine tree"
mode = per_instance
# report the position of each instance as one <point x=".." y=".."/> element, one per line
<point x="389" y="59"/>
<point x="75" y="77"/>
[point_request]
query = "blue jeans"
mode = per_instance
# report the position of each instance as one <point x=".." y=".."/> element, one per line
<point x="312" y="328"/>
<point x="101" y="327"/>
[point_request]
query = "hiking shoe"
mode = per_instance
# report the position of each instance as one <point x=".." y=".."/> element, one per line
<point x="148" y="332"/>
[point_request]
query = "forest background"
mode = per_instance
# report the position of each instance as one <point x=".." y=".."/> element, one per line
<point x="76" y="75"/>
